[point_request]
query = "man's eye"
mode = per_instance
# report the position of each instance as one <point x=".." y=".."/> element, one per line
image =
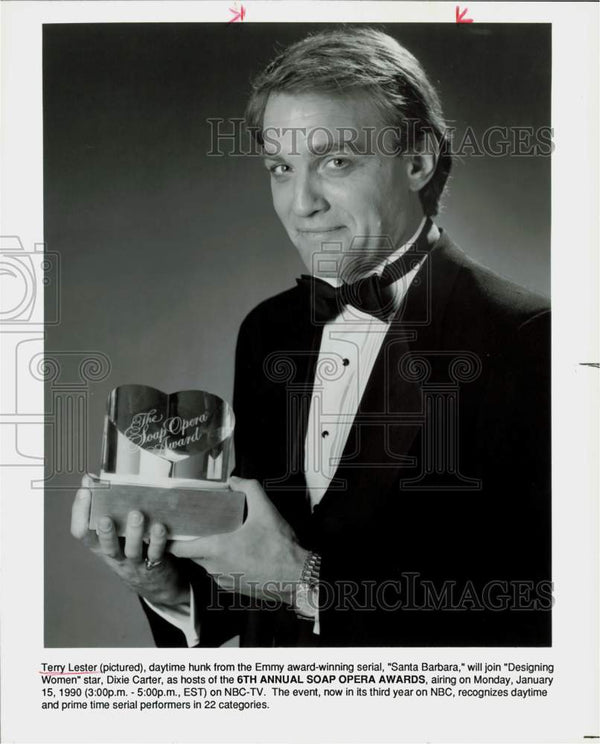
<point x="337" y="163"/>
<point x="281" y="169"/>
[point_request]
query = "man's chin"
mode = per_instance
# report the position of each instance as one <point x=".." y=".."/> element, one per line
<point x="325" y="260"/>
<point x="339" y="268"/>
<point x="338" y="259"/>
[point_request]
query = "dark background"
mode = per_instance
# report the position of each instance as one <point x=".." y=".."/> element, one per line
<point x="164" y="250"/>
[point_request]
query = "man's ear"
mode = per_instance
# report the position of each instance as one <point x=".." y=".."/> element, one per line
<point x="420" y="169"/>
<point x="421" y="163"/>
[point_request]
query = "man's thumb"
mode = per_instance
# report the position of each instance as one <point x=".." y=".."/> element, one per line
<point x="199" y="548"/>
<point x="256" y="498"/>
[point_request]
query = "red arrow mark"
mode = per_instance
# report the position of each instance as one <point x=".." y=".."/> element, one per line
<point x="460" y="17"/>
<point x="238" y="15"/>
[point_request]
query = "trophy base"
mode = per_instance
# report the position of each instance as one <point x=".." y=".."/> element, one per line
<point x="185" y="512"/>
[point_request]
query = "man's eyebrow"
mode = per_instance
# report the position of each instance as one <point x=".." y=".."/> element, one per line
<point x="330" y="146"/>
<point x="271" y="155"/>
<point x="316" y="150"/>
<point x="346" y="139"/>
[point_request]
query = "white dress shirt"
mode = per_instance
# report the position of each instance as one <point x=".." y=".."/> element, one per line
<point x="349" y="347"/>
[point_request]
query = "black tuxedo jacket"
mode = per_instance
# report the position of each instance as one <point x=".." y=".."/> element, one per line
<point x="435" y="530"/>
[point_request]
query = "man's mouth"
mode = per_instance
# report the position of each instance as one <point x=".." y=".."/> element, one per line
<point x="318" y="230"/>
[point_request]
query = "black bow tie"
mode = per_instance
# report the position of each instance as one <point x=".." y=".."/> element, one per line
<point x="374" y="294"/>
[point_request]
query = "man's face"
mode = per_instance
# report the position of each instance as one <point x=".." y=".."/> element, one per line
<point x="334" y="200"/>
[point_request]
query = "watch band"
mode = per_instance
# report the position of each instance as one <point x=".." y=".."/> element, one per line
<point x="306" y="598"/>
<point x="311" y="569"/>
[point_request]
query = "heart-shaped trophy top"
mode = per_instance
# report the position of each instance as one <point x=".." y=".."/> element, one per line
<point x="173" y="427"/>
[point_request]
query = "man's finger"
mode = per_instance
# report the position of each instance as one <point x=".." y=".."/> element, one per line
<point x="87" y="481"/>
<point x="80" y="513"/>
<point x="134" y="536"/>
<point x="158" y="541"/>
<point x="202" y="547"/>
<point x="107" y="539"/>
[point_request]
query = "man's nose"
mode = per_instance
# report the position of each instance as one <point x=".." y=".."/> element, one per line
<point x="308" y="196"/>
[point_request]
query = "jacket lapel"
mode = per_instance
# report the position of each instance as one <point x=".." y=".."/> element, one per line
<point x="390" y="413"/>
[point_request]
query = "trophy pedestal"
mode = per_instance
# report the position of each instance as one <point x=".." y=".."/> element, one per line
<point x="185" y="511"/>
<point x="167" y="456"/>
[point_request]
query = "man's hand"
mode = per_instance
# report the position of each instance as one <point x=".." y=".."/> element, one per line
<point x="262" y="559"/>
<point x="160" y="585"/>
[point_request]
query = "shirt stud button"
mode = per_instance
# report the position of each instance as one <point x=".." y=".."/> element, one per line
<point x="324" y="434"/>
<point x="345" y="362"/>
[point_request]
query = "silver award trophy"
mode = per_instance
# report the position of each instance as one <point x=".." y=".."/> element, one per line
<point x="167" y="456"/>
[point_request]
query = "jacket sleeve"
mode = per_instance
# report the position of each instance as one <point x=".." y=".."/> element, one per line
<point x="218" y="617"/>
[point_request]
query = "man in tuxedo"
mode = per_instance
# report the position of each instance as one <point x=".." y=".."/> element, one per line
<point x="393" y="429"/>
